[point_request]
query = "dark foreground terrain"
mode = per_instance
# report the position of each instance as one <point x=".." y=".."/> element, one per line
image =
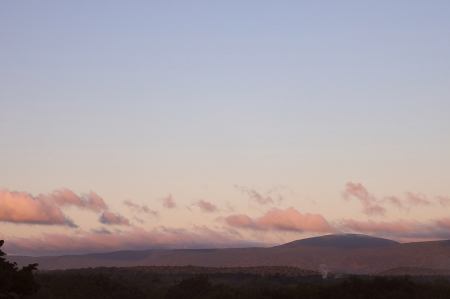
<point x="254" y="282"/>
<point x="358" y="254"/>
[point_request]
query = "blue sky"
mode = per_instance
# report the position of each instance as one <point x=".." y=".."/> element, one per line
<point x="139" y="101"/>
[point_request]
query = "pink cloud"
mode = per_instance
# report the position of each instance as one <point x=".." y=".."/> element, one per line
<point x="396" y="201"/>
<point x="205" y="206"/>
<point x="255" y="196"/>
<point x="283" y="220"/>
<point x="292" y="220"/>
<point x="417" y="199"/>
<point x="111" y="219"/>
<point x="216" y="237"/>
<point x="230" y="207"/>
<point x="136" y="239"/>
<point x="443" y="201"/>
<point x="402" y="230"/>
<point x="370" y="203"/>
<point x="168" y="202"/>
<point x="139" y="208"/>
<point x="65" y="197"/>
<point x="410" y="200"/>
<point x="21" y="207"/>
<point x="443" y="223"/>
<point x="240" y="221"/>
<point x="370" y="226"/>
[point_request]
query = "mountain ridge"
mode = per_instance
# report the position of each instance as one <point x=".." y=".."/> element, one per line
<point x="361" y="259"/>
<point x="347" y="241"/>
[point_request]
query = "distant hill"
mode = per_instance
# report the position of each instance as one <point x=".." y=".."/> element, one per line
<point x="347" y="241"/>
<point x="192" y="270"/>
<point x="362" y="254"/>
<point x="415" y="271"/>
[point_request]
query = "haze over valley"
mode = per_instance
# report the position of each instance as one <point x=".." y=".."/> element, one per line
<point x="335" y="253"/>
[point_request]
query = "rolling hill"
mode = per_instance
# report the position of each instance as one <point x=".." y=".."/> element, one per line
<point x="414" y="271"/>
<point x="347" y="241"/>
<point x="337" y="253"/>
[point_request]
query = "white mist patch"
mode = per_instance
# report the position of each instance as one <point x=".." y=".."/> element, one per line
<point x="323" y="270"/>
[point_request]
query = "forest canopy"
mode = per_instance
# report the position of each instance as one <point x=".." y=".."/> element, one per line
<point x="14" y="282"/>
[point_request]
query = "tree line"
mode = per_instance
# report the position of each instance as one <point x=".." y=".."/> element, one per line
<point x="191" y="282"/>
<point x="200" y="286"/>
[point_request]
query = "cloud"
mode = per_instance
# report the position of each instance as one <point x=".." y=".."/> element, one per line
<point x="443" y="223"/>
<point x="240" y="221"/>
<point x="396" y="201"/>
<point x="282" y="220"/>
<point x="443" y="201"/>
<point x="410" y="201"/>
<point x="417" y="199"/>
<point x="255" y="196"/>
<point x="21" y="207"/>
<point x="370" y="226"/>
<point x="406" y="230"/>
<point x="138" y="220"/>
<point x="216" y="237"/>
<point x="101" y="230"/>
<point x="136" y="239"/>
<point x="229" y="206"/>
<point x="65" y="197"/>
<point x="370" y="203"/>
<point x="113" y="219"/>
<point x="139" y="208"/>
<point x="168" y="202"/>
<point x="205" y="206"/>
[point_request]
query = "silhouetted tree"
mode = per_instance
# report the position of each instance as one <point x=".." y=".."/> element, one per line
<point x="14" y="282"/>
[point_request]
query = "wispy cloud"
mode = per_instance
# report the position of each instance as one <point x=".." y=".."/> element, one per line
<point x="443" y="201"/>
<point x="21" y="207"/>
<point x="370" y="226"/>
<point x="168" y="202"/>
<point x="282" y="220"/>
<point x="138" y="208"/>
<point x="229" y="206"/>
<point x="240" y="221"/>
<point x="401" y="229"/>
<point x="65" y="197"/>
<point x="417" y="199"/>
<point x="138" y="220"/>
<point x="136" y="239"/>
<point x="370" y="203"/>
<point x="374" y="206"/>
<point x="205" y="206"/>
<point x="258" y="197"/>
<point x="113" y="219"/>
<point x="101" y="230"/>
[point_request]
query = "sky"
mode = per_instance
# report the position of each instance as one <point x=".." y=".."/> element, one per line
<point x="217" y="124"/>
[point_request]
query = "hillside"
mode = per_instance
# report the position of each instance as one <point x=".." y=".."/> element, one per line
<point x="347" y="241"/>
<point x="189" y="270"/>
<point x="363" y="259"/>
<point x="414" y="271"/>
